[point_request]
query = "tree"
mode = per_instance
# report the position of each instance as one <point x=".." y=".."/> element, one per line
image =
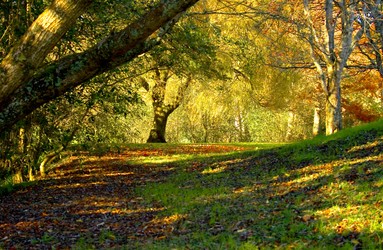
<point x="186" y="55"/>
<point x="161" y="108"/>
<point x="26" y="83"/>
<point x="331" y="52"/>
<point x="372" y="48"/>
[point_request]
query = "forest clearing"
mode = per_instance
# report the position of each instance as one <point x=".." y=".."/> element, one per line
<point x="321" y="193"/>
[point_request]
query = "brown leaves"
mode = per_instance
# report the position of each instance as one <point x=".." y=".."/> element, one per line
<point x="91" y="199"/>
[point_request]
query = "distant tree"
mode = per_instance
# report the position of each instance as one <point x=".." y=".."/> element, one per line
<point x="185" y="56"/>
<point x="163" y="108"/>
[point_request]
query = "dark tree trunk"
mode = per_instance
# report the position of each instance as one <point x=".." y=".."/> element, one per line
<point x="157" y="133"/>
<point x="161" y="109"/>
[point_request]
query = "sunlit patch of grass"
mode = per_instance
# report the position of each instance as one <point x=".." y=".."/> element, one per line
<point x="214" y="170"/>
<point x="163" y="159"/>
<point x="319" y="194"/>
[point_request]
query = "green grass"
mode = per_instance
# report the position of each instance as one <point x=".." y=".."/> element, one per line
<point x="324" y="193"/>
<point x="316" y="194"/>
<point x="7" y="186"/>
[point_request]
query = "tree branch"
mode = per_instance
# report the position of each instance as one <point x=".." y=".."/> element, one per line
<point x="44" y="33"/>
<point x="71" y="71"/>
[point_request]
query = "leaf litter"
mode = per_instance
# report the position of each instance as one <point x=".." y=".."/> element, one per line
<point x="91" y="200"/>
<point x="312" y="197"/>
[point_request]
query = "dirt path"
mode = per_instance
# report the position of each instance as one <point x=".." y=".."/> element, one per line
<point x="89" y="204"/>
<point x="92" y="203"/>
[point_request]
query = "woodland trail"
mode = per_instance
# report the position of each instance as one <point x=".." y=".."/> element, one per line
<point x="89" y="199"/>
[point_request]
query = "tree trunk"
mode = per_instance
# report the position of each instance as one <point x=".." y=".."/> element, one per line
<point x="333" y="101"/>
<point x="290" y="125"/>
<point x="316" y="121"/>
<point x="162" y="110"/>
<point x="65" y="74"/>
<point x="157" y="133"/>
<point x="44" y="33"/>
<point x="327" y="53"/>
<point x="333" y="114"/>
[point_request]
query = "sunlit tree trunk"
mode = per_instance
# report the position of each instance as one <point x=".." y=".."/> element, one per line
<point x="157" y="133"/>
<point x="290" y="125"/>
<point x="329" y="62"/>
<point x="316" y="121"/>
<point x="333" y="105"/>
<point x="44" y="33"/>
<point x="23" y="89"/>
<point x="162" y="109"/>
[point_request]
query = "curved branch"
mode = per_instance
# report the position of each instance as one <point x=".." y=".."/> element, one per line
<point x="71" y="71"/>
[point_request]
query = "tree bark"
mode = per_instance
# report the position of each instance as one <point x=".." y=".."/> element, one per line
<point x="44" y="33"/>
<point x="335" y="62"/>
<point x="316" y="121"/>
<point x="157" y="133"/>
<point x="163" y="110"/>
<point x="333" y="107"/>
<point x="65" y="74"/>
<point x="290" y="125"/>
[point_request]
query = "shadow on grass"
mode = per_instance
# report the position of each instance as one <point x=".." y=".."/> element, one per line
<point x="279" y="198"/>
<point x="314" y="195"/>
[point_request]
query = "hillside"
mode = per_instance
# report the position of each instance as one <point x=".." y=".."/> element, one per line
<point x="321" y="193"/>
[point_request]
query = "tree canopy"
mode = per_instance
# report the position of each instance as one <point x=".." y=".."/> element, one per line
<point x="26" y="84"/>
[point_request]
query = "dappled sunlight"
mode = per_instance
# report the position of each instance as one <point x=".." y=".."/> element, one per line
<point x="214" y="170"/>
<point x="77" y="185"/>
<point x="161" y="227"/>
<point x="100" y="208"/>
<point x="160" y="160"/>
<point x="374" y="145"/>
<point x="350" y="220"/>
<point x="247" y="199"/>
<point x="220" y="166"/>
<point x="118" y="174"/>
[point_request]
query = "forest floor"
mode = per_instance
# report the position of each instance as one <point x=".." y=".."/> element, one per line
<point x="323" y="193"/>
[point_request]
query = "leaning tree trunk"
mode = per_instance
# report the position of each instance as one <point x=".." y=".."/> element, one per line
<point x="28" y="54"/>
<point x="25" y="85"/>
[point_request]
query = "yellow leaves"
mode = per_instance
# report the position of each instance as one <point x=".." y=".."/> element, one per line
<point x="159" y="228"/>
<point x="214" y="170"/>
<point x="307" y="217"/>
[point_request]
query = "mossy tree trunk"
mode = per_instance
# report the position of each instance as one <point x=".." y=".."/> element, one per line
<point x="26" y="85"/>
<point x="162" y="108"/>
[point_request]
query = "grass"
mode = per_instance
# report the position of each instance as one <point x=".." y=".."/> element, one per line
<point x="321" y="193"/>
<point x="324" y="193"/>
<point x="7" y="186"/>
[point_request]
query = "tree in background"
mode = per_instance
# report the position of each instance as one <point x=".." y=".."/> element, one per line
<point x="331" y="47"/>
<point x="161" y="108"/>
<point x="185" y="56"/>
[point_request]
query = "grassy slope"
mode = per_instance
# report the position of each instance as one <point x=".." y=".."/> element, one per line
<point x="322" y="193"/>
